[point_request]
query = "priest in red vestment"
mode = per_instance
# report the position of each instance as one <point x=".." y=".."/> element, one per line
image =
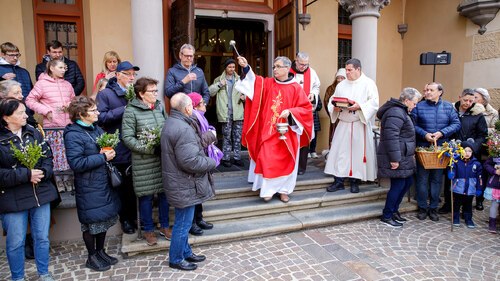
<point x="273" y="161"/>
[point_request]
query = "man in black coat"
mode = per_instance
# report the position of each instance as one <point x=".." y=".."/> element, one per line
<point x="474" y="127"/>
<point x="73" y="74"/>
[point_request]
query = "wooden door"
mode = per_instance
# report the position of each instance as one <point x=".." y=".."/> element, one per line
<point x="285" y="23"/>
<point x="181" y="26"/>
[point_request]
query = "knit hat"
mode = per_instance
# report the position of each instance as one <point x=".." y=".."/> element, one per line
<point x="468" y="143"/>
<point x="228" y="62"/>
<point x="195" y="98"/>
<point x="341" y="72"/>
<point x="484" y="93"/>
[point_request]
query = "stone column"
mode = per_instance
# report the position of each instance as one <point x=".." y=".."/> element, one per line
<point x="364" y="17"/>
<point x="147" y="40"/>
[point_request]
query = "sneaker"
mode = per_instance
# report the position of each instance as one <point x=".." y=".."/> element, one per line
<point x="150" y="238"/>
<point x="422" y="214"/>
<point x="308" y="155"/>
<point x="314" y="155"/>
<point x="470" y="224"/>
<point x="166" y="232"/>
<point x="433" y="215"/>
<point x="392" y="223"/>
<point x="45" y="277"/>
<point x="397" y="217"/>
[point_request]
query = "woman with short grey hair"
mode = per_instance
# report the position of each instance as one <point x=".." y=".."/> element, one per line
<point x="396" y="151"/>
<point x="482" y="96"/>
<point x="11" y="89"/>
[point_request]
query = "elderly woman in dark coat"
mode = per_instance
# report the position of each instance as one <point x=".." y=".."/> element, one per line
<point x="24" y="192"/>
<point x="96" y="203"/>
<point x="396" y="151"/>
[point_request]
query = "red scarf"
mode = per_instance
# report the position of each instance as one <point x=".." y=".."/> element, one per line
<point x="307" y="79"/>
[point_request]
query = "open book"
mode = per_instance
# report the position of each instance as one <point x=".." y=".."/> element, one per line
<point x="342" y="102"/>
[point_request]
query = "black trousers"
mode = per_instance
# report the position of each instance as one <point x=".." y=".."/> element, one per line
<point x="198" y="213"/>
<point x="303" y="158"/>
<point x="128" y="200"/>
<point x="462" y="201"/>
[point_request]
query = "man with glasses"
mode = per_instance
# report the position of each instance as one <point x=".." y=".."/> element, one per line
<point x="307" y="78"/>
<point x="10" y="69"/>
<point x="185" y="76"/>
<point x="352" y="153"/>
<point x="111" y="103"/>
<point x="273" y="159"/>
<point x="73" y="74"/>
<point x="435" y="121"/>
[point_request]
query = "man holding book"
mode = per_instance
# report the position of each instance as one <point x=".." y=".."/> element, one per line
<point x="352" y="153"/>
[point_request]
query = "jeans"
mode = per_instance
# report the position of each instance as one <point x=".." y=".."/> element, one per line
<point x="16" y="224"/>
<point x="398" y="189"/>
<point x="426" y="179"/>
<point x="146" y="211"/>
<point x="179" y="246"/>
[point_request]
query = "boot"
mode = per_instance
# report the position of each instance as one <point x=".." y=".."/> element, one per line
<point x="468" y="220"/>
<point x="95" y="263"/>
<point x="107" y="258"/>
<point x="29" y="253"/>
<point x="456" y="219"/>
<point x="492" y="228"/>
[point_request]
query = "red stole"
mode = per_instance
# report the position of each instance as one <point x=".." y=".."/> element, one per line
<point x="274" y="157"/>
<point x="307" y="79"/>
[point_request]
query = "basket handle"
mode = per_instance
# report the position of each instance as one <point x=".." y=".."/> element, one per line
<point x="435" y="145"/>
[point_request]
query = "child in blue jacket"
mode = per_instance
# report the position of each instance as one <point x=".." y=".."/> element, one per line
<point x="465" y="178"/>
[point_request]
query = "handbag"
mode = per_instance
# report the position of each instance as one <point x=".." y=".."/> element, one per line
<point x="115" y="177"/>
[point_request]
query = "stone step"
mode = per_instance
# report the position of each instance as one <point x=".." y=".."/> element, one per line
<point x="231" y="208"/>
<point x="265" y="225"/>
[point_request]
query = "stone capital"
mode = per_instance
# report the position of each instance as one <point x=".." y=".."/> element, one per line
<point x="363" y="8"/>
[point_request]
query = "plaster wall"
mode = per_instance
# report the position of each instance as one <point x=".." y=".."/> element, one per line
<point x="434" y="26"/>
<point x="108" y="26"/>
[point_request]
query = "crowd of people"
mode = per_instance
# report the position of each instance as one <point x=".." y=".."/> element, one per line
<point x="275" y="118"/>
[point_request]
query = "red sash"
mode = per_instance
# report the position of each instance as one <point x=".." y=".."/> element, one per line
<point x="307" y="80"/>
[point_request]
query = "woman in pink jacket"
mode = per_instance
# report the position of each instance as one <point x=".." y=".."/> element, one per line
<point x="50" y="98"/>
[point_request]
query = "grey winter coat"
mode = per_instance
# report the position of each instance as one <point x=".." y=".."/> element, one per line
<point x="397" y="141"/>
<point x="222" y="99"/>
<point x="185" y="166"/>
<point x="146" y="164"/>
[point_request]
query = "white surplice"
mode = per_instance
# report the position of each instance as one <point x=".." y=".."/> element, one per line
<point x="352" y="151"/>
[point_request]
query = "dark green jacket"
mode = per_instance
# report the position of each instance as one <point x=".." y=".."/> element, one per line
<point x="146" y="165"/>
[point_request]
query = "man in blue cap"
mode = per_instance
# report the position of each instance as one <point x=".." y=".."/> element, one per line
<point x="111" y="104"/>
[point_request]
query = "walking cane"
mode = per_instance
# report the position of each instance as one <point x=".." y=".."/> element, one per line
<point x="451" y="191"/>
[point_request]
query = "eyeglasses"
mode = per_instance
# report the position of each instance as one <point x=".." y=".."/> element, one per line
<point x="152" y="91"/>
<point x="187" y="56"/>
<point x="129" y="74"/>
<point x="14" y="55"/>
<point x="303" y="64"/>
<point x="279" y="66"/>
<point x="93" y="110"/>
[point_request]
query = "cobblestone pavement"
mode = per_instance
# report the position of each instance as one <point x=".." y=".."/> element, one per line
<point x="367" y="250"/>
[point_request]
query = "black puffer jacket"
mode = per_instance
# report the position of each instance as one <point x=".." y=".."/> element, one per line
<point x="95" y="200"/>
<point x="16" y="190"/>
<point x="184" y="164"/>
<point x="397" y="141"/>
<point x="473" y="126"/>
<point x="73" y="75"/>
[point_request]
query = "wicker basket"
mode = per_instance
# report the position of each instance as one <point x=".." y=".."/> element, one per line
<point x="430" y="160"/>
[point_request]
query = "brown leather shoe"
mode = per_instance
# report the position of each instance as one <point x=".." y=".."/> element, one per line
<point x="166" y="232"/>
<point x="150" y="238"/>
<point x="284" y="198"/>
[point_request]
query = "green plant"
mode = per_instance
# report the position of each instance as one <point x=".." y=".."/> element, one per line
<point x="149" y="138"/>
<point x="28" y="154"/>
<point x="497" y="126"/>
<point x="109" y="140"/>
<point x="130" y="93"/>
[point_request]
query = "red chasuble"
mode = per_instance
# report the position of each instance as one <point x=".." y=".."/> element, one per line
<point x="274" y="157"/>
